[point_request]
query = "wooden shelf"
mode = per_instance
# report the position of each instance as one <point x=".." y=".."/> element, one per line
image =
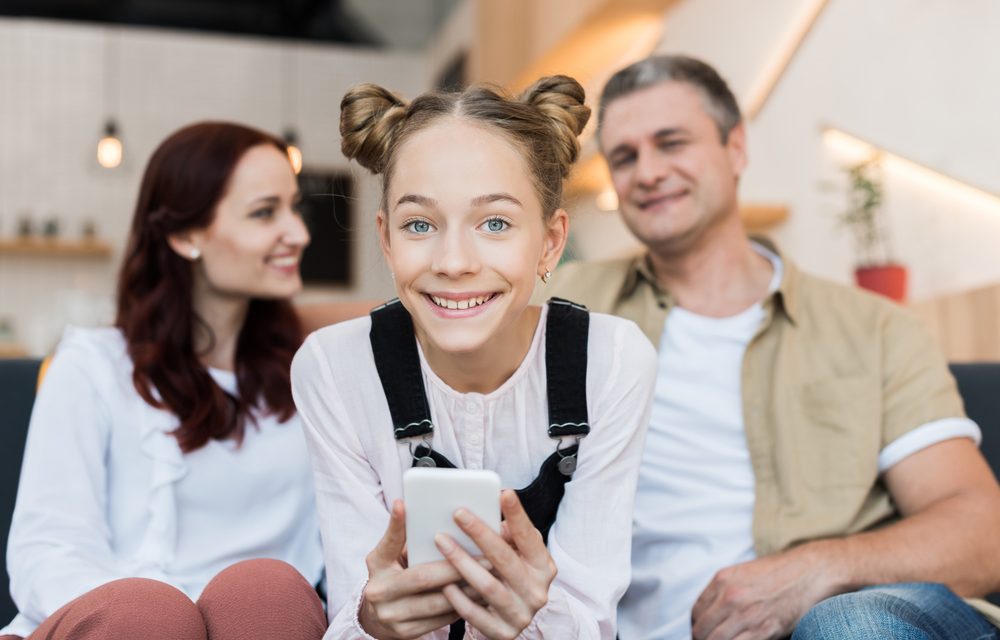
<point x="12" y="350"/>
<point x="758" y="217"/>
<point x="55" y="247"/>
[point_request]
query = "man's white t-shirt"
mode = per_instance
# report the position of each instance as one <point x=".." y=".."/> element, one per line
<point x="695" y="500"/>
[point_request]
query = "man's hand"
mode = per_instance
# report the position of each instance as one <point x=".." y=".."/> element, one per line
<point x="765" y="598"/>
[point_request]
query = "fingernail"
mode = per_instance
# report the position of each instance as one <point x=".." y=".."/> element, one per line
<point x="463" y="517"/>
<point x="444" y="543"/>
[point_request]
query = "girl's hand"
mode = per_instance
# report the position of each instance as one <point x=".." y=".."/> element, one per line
<point x="522" y="571"/>
<point x="400" y="602"/>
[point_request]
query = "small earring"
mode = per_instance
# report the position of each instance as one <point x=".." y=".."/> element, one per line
<point x="195" y="253"/>
<point x="546" y="277"/>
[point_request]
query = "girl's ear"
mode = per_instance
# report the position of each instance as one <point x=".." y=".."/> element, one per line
<point x="382" y="225"/>
<point x="556" y="234"/>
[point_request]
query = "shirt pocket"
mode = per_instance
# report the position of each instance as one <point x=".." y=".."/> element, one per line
<point x="838" y="431"/>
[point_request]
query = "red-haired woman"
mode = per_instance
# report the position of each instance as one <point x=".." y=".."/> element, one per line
<point x="166" y="490"/>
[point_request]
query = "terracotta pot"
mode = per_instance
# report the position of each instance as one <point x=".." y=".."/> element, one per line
<point x="887" y="279"/>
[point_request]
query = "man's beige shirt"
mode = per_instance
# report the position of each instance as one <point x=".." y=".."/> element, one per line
<point x="833" y="376"/>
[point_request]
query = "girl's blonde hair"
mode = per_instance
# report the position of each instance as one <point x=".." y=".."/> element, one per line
<point x="543" y="123"/>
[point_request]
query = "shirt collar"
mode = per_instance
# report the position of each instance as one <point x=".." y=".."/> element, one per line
<point x="639" y="270"/>
<point x="785" y="298"/>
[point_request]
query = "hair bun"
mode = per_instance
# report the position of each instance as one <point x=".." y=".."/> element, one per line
<point x="560" y="99"/>
<point x="370" y="117"/>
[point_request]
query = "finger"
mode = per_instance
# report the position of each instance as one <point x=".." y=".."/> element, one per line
<point x="525" y="536"/>
<point x="505" y="533"/>
<point x="424" y="577"/>
<point x="705" y="600"/>
<point x="485" y="563"/>
<point x="496" y="594"/>
<point x="415" y="607"/>
<point x="753" y="622"/>
<point x="727" y="628"/>
<point x="711" y="619"/>
<point x="499" y="553"/>
<point x="471" y="593"/>
<point x="389" y="549"/>
<point x="484" y="620"/>
<point x="417" y="628"/>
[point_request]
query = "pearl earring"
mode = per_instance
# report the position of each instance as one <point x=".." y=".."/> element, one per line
<point x="195" y="253"/>
<point x="546" y="276"/>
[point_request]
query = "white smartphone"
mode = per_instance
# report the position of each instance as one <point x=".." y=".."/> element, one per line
<point x="433" y="495"/>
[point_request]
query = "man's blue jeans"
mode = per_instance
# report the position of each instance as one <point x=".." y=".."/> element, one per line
<point x="913" y="611"/>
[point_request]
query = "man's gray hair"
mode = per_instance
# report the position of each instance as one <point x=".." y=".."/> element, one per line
<point x="720" y="103"/>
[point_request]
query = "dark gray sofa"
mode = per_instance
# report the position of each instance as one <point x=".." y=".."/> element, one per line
<point x="18" y="378"/>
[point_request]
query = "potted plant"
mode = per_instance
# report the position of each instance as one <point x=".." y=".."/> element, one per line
<point x="876" y="270"/>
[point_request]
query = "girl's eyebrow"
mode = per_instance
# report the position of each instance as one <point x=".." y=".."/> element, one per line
<point x="495" y="197"/>
<point x="417" y="199"/>
<point x="478" y="201"/>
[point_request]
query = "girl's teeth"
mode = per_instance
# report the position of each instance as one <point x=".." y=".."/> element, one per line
<point x="468" y="303"/>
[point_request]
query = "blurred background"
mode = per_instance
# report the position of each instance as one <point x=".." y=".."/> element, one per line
<point x="873" y="130"/>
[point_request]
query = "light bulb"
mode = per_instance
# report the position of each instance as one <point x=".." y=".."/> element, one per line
<point x="607" y="200"/>
<point x="109" y="149"/>
<point x="295" y="157"/>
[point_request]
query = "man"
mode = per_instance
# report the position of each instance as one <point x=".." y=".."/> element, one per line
<point x="806" y="440"/>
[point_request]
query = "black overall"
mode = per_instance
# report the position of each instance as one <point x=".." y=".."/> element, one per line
<point x="566" y="333"/>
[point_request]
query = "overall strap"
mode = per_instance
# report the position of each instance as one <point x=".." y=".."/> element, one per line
<point x="398" y="363"/>
<point x="566" y="337"/>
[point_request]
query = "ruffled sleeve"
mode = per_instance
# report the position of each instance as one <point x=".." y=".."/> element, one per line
<point x="167" y="467"/>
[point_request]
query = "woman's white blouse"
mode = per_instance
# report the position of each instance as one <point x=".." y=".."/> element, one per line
<point x="358" y="464"/>
<point x="106" y="493"/>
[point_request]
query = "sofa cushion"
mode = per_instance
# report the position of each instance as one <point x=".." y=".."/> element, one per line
<point x="18" y="378"/>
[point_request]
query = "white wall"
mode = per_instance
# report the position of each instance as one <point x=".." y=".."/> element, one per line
<point x="453" y="39"/>
<point x="917" y="77"/>
<point x="52" y="112"/>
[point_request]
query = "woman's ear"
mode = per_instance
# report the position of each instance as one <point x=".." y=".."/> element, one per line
<point x="556" y="234"/>
<point x="185" y="245"/>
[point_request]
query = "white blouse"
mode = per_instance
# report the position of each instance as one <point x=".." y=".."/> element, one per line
<point x="358" y="464"/>
<point x="106" y="493"/>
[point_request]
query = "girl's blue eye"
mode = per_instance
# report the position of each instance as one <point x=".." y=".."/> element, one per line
<point x="496" y="225"/>
<point x="419" y="226"/>
<point x="265" y="212"/>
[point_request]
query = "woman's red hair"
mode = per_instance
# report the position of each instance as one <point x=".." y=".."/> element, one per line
<point x="185" y="179"/>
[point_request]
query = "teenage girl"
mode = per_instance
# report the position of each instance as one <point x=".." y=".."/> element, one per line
<point x="462" y="371"/>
